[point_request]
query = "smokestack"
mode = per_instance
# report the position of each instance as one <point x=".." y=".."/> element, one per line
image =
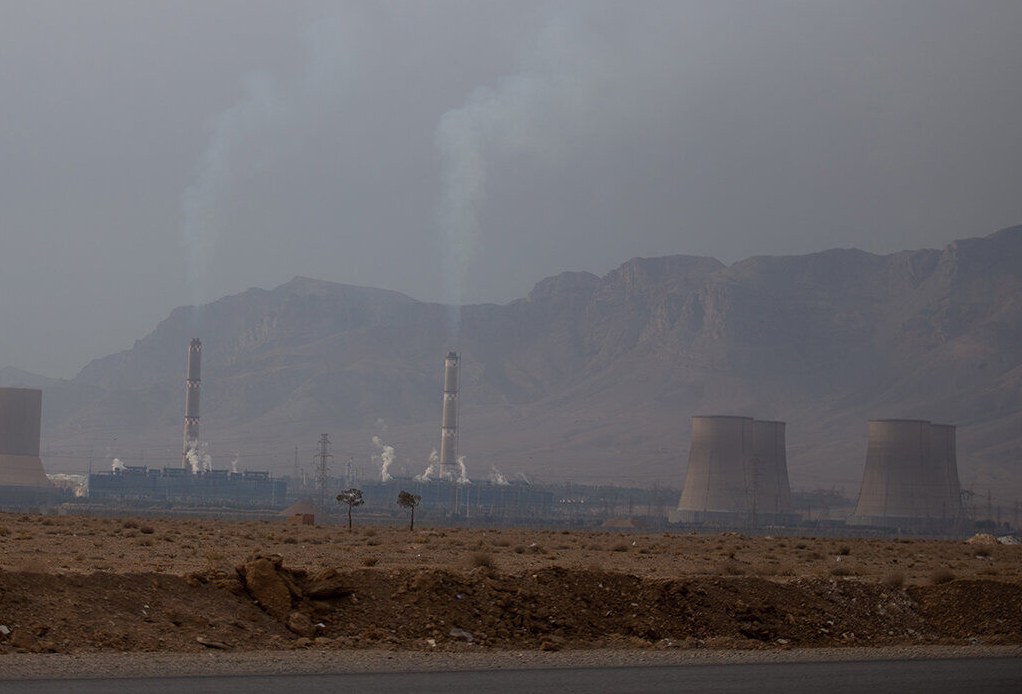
<point x="771" y="490"/>
<point x="192" y="399"/>
<point x="449" y="418"/>
<point x="908" y="481"/>
<point x="720" y="469"/>
<point x="20" y="417"/>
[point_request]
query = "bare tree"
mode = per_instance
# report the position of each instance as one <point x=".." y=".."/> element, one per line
<point x="409" y="501"/>
<point x="352" y="497"/>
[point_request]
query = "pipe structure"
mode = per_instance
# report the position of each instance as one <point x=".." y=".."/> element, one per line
<point x="720" y="470"/>
<point x="771" y="492"/>
<point x="908" y="481"/>
<point x="192" y="399"/>
<point x="449" y="417"/>
<point x="20" y="426"/>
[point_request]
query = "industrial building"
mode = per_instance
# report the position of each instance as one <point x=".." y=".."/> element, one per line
<point x="737" y="473"/>
<point x="22" y="478"/>
<point x="136" y="484"/>
<point x="911" y="477"/>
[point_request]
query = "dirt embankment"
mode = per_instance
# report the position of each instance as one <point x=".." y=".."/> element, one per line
<point x="263" y="604"/>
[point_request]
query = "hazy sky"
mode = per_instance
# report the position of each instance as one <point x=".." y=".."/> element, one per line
<point x="154" y="154"/>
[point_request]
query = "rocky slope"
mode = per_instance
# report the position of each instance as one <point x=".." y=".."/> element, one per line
<point x="591" y="377"/>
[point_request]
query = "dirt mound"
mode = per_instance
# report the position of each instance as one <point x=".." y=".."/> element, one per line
<point x="264" y="604"/>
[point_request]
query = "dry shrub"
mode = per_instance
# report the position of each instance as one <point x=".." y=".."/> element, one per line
<point x="481" y="560"/>
<point x="290" y="541"/>
<point x="370" y="561"/>
<point x="372" y="542"/>
<point x="941" y="576"/>
<point x="844" y="550"/>
<point x="502" y="542"/>
<point x="894" y="580"/>
<point x="129" y="524"/>
<point x="519" y="549"/>
<point x="619" y="547"/>
<point x="730" y="568"/>
<point x="841" y="571"/>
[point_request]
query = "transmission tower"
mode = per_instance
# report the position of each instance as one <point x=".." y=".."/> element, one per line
<point x="322" y="458"/>
<point x="297" y="472"/>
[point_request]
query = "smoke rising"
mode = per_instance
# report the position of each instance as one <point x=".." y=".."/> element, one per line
<point x="496" y="477"/>
<point x="198" y="456"/>
<point x="116" y="465"/>
<point x="385" y="458"/>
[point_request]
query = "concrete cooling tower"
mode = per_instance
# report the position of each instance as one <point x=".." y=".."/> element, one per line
<point x="20" y="416"/>
<point x="770" y="488"/>
<point x="911" y="477"/>
<point x="737" y="473"/>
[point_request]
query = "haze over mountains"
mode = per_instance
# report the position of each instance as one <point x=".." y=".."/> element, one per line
<point x="587" y="378"/>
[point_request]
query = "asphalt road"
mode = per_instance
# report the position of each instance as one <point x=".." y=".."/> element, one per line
<point x="902" y="676"/>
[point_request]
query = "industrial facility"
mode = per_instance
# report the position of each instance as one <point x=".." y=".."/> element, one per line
<point x="195" y="482"/>
<point x="449" y="417"/>
<point x="22" y="479"/>
<point x="737" y="473"/>
<point x="911" y="477"/>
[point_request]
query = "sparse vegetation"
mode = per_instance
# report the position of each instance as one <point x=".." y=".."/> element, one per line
<point x="352" y="498"/>
<point x="409" y="501"/>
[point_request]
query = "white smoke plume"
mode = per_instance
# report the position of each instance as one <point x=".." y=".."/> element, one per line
<point x="462" y="477"/>
<point x="385" y="458"/>
<point x="497" y="477"/>
<point x="116" y="465"/>
<point x="431" y="470"/>
<point x="234" y="463"/>
<point x="526" y="113"/>
<point x="198" y="456"/>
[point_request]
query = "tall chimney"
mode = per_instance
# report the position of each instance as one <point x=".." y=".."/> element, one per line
<point x="192" y="399"/>
<point x="449" y="419"/>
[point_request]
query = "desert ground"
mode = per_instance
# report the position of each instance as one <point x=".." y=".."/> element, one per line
<point x="80" y="584"/>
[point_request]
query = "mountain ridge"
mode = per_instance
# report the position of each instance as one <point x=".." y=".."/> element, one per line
<point x="594" y="377"/>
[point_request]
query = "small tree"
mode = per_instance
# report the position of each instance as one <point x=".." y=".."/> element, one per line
<point x="352" y="497"/>
<point x="409" y="501"/>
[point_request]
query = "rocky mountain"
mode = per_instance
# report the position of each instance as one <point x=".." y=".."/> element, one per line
<point x="589" y="378"/>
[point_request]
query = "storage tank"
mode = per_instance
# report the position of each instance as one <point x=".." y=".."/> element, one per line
<point x="718" y="484"/>
<point x="20" y="417"/>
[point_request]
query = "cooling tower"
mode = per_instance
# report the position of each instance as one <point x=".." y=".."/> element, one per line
<point x="20" y="416"/>
<point x="771" y="492"/>
<point x="718" y="485"/>
<point x="908" y="483"/>
<point x="944" y="449"/>
<point x="449" y="418"/>
<point x="192" y="399"/>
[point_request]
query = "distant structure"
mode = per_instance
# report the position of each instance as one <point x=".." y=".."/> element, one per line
<point x="192" y="399"/>
<point x="21" y="470"/>
<point x="449" y="417"/>
<point x="737" y="473"/>
<point x="911" y="477"/>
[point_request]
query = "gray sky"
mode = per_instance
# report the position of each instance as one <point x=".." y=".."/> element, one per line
<point x="154" y="154"/>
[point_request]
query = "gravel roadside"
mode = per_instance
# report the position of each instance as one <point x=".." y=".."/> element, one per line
<point x="87" y="666"/>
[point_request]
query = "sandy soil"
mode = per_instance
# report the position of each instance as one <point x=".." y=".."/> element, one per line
<point x="72" y="584"/>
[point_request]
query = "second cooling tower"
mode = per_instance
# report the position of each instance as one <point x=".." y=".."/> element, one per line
<point x="911" y="477"/>
<point x="737" y="472"/>
<point x="20" y="418"/>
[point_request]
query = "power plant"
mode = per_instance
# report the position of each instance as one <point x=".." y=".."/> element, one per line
<point x="449" y="417"/>
<point x="737" y="472"/>
<point x="911" y="477"/>
<point x="192" y="399"/>
<point x="21" y="470"/>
